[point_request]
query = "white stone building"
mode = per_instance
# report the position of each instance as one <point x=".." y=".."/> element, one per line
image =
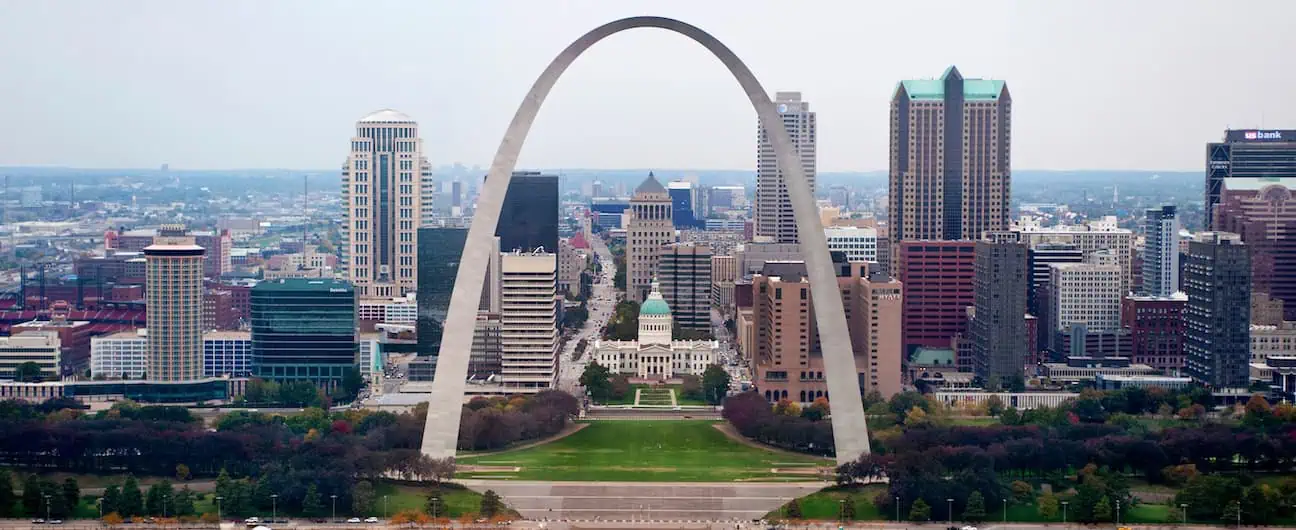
<point x="654" y="355"/>
<point x="859" y="244"/>
<point x="40" y="347"/>
<point x="648" y="228"/>
<point x="120" y="355"/>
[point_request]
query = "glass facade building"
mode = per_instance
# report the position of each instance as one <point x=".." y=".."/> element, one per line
<point x="529" y="218"/>
<point x="303" y="329"/>
<point x="1247" y="153"/>
<point x="439" y="251"/>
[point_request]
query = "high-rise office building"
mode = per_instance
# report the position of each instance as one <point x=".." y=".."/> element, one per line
<point x="773" y="209"/>
<point x="649" y="228"/>
<point x="1217" y="318"/>
<point x="528" y="322"/>
<point x="1263" y="212"/>
<point x="529" y="218"/>
<point x="1083" y="298"/>
<point x="997" y="333"/>
<point x="681" y="193"/>
<point x="1161" y="252"/>
<point x="1247" y="153"/>
<point x="439" y="251"/>
<point x="950" y="158"/>
<point x="303" y="329"/>
<point x="382" y="198"/>
<point x="174" y="299"/>
<point x="938" y="288"/>
<point x="684" y="272"/>
<point x="1038" y="259"/>
<point x="724" y="271"/>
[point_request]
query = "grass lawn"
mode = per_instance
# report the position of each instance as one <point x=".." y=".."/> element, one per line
<point x="647" y="398"/>
<point x="977" y="421"/>
<point x="643" y="451"/>
<point x="826" y="504"/>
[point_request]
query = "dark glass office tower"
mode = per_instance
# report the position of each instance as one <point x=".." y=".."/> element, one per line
<point x="1247" y="153"/>
<point x="529" y="218"/>
<point x="439" y="251"/>
<point x="998" y="335"/>
<point x="303" y="329"/>
<point x="1217" y="318"/>
<point x="681" y="195"/>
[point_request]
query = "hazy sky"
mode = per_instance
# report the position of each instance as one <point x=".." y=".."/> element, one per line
<point x="1103" y="84"/>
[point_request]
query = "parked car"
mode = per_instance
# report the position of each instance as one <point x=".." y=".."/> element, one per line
<point x="38" y="521"/>
<point x="371" y="520"/>
<point x="353" y="520"/>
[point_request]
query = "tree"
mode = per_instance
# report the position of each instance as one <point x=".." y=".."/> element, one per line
<point x="596" y="381"/>
<point x="435" y="504"/>
<point x="490" y="504"/>
<point x="31" y="498"/>
<point x="312" y="505"/>
<point x="715" y="384"/>
<point x="7" y="496"/>
<point x="975" y="509"/>
<point x="620" y="387"/>
<point x="920" y="511"/>
<point x="848" y="509"/>
<point x="111" y="500"/>
<point x="1102" y="511"/>
<point x="1232" y="511"/>
<point x="1021" y="491"/>
<point x="786" y="407"/>
<point x="793" y="510"/>
<point x="56" y="505"/>
<point x="158" y="499"/>
<point x="28" y="372"/>
<point x="691" y="387"/>
<point x="362" y="498"/>
<point x="183" y="506"/>
<point x="71" y="492"/>
<point x="1016" y="383"/>
<point x="182" y="472"/>
<point x="112" y="519"/>
<point x="351" y="385"/>
<point x="994" y="406"/>
<point x="1048" y="506"/>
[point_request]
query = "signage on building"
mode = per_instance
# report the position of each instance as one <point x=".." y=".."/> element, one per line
<point x="1262" y="136"/>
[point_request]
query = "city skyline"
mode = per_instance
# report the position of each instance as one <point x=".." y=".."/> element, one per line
<point x="464" y="82"/>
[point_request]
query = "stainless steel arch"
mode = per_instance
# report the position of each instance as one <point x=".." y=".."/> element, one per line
<point x="441" y="433"/>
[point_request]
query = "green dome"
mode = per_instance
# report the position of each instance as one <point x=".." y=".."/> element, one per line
<point x="654" y="306"/>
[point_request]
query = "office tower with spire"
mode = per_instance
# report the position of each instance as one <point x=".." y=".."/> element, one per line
<point x="950" y="158"/>
<point x="773" y="213"/>
<point x="648" y="229"/>
<point x="382" y="195"/>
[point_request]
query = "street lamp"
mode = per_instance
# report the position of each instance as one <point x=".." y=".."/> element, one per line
<point x="1117" y="512"/>
<point x="334" y="496"/>
<point x="164" y="506"/>
<point x="897" y="503"/>
<point x="435" y="504"/>
<point x="218" y="507"/>
<point x="841" y="509"/>
<point x="1184" y="507"/>
<point x="384" y="507"/>
<point x="99" y="503"/>
<point x="47" y="507"/>
<point x="1005" y="503"/>
<point x="274" y="506"/>
<point x="949" y="512"/>
<point x="1064" y="505"/>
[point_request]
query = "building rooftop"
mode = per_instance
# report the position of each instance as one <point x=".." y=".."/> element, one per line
<point x="227" y="335"/>
<point x="934" y="89"/>
<point x="387" y="116"/>
<point x="141" y="333"/>
<point x="650" y="185"/>
<point x="300" y="284"/>
<point x="1258" y="183"/>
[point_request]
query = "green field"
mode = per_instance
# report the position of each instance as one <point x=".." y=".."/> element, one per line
<point x="826" y="505"/>
<point x="644" y="451"/>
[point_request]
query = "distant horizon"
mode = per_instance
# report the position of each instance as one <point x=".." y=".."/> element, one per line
<point x="520" y="167"/>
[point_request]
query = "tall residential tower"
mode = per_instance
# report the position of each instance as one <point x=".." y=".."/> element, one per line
<point x="773" y="212"/>
<point x="382" y="197"/>
<point x="174" y="300"/>
<point x="1161" y="253"/>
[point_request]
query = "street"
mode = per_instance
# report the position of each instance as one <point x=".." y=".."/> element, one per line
<point x="601" y="304"/>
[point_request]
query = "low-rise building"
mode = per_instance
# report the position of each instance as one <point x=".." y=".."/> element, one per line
<point x="1119" y="382"/>
<point x="1272" y="341"/>
<point x="227" y="353"/>
<point x="42" y="348"/>
<point x="122" y="355"/>
<point x="1016" y="400"/>
<point x="1084" y="369"/>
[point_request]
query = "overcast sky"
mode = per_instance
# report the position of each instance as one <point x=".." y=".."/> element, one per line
<point x="1102" y="84"/>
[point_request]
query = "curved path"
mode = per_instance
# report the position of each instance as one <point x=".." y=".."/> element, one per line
<point x="442" y="427"/>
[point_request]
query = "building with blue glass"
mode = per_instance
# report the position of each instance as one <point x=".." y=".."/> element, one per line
<point x="303" y="329"/>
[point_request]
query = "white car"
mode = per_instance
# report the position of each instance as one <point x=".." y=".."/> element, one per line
<point x="353" y="520"/>
<point x="371" y="520"/>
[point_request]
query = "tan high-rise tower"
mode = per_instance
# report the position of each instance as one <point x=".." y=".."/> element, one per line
<point x="649" y="228"/>
<point x="174" y="300"/>
<point x="950" y="158"/>
<point x="383" y="205"/>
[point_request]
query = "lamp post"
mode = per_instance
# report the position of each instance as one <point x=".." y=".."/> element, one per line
<point x="841" y="509"/>
<point x="1005" y="503"/>
<point x="1064" y="505"/>
<point x="218" y="508"/>
<point x="334" y="496"/>
<point x="384" y="507"/>
<point x="1184" y="507"/>
<point x="1117" y="512"/>
<point x="47" y="507"/>
<point x="949" y="511"/>
<point x="164" y="506"/>
<point x="99" y="503"/>
<point x="274" y="506"/>
<point x="436" y="503"/>
<point x="897" y="503"/>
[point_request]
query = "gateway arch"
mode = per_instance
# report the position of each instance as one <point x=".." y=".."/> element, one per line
<point x="441" y="432"/>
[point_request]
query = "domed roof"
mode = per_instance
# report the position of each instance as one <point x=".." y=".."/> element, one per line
<point x="387" y="116"/>
<point x="654" y="306"/>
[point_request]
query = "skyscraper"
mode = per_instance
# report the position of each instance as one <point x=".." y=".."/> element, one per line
<point x="1263" y="212"/>
<point x="998" y="336"/>
<point x="685" y="277"/>
<point x="382" y="197"/>
<point x="681" y="194"/>
<point x="773" y="211"/>
<point x="1217" y="318"/>
<point x="1247" y="153"/>
<point x="529" y="218"/>
<point x="1084" y="298"/>
<point x="938" y="278"/>
<point x="950" y="158"/>
<point x="174" y="299"/>
<point x="1161" y="252"/>
<point x="303" y="329"/>
<point x="439" y="251"/>
<point x="528" y="322"/>
<point x="648" y="229"/>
